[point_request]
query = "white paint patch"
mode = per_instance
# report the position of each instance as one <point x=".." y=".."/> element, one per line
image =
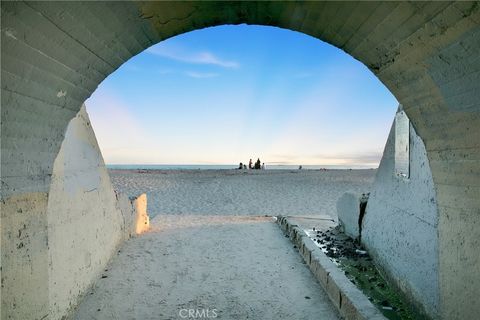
<point x="10" y="33"/>
<point x="61" y="93"/>
<point x="83" y="163"/>
<point x="85" y="225"/>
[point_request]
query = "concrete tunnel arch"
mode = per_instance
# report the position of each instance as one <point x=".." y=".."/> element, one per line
<point x="54" y="55"/>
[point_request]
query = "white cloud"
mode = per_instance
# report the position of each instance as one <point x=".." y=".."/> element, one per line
<point x="201" y="75"/>
<point x="203" y="57"/>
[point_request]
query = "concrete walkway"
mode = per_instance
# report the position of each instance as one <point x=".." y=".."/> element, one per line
<point x="224" y="267"/>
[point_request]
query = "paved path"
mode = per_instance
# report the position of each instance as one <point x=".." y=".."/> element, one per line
<point x="224" y="267"/>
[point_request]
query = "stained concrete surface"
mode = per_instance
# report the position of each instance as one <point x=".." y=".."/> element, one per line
<point x="400" y="227"/>
<point x="241" y="267"/>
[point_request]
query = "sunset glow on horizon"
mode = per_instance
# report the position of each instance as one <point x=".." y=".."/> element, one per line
<point x="226" y="94"/>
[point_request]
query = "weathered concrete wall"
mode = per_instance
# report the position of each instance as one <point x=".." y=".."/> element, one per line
<point x="54" y="55"/>
<point x="59" y="242"/>
<point x="400" y="227"/>
<point x="24" y="257"/>
<point x="85" y="226"/>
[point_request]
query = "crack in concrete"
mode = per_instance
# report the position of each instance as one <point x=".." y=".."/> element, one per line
<point x="162" y="23"/>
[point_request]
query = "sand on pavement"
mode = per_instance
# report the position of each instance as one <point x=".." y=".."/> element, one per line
<point x="231" y="267"/>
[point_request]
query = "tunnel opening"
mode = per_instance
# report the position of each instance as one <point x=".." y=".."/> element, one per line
<point x="186" y="199"/>
<point x="218" y="196"/>
<point x="54" y="56"/>
<point x="242" y="92"/>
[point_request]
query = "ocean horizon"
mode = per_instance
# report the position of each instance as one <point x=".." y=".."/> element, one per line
<point x="228" y="167"/>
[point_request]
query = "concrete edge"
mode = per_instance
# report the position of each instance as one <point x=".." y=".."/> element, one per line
<point x="350" y="302"/>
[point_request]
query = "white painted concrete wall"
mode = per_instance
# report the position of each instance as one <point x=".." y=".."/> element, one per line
<point x="348" y="211"/>
<point x="142" y="220"/>
<point x="85" y="220"/>
<point x="400" y="225"/>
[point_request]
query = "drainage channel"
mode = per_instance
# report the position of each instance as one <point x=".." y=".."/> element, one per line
<point x="359" y="268"/>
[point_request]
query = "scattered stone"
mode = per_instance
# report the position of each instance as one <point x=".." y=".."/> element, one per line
<point x="358" y="266"/>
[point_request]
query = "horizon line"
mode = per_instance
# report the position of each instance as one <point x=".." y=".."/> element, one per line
<point x="235" y="165"/>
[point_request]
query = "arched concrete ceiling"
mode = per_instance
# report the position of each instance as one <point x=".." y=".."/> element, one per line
<point x="54" y="55"/>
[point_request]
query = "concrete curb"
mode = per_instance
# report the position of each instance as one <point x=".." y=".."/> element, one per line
<point x="350" y="302"/>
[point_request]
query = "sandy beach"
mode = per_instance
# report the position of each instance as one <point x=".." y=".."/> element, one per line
<point x="239" y="192"/>
<point x="211" y="247"/>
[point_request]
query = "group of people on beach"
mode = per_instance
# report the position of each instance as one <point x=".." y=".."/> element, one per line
<point x="258" y="165"/>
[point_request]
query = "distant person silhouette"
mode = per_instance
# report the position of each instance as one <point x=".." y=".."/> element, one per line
<point x="250" y="164"/>
<point x="245" y="166"/>
<point x="240" y="166"/>
<point x="263" y="166"/>
<point x="257" y="164"/>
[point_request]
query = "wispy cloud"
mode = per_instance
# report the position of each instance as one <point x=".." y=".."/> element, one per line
<point x="358" y="157"/>
<point x="203" y="57"/>
<point x="201" y="75"/>
<point x="354" y="158"/>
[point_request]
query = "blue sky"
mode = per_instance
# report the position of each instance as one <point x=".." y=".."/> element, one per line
<point x="227" y="94"/>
